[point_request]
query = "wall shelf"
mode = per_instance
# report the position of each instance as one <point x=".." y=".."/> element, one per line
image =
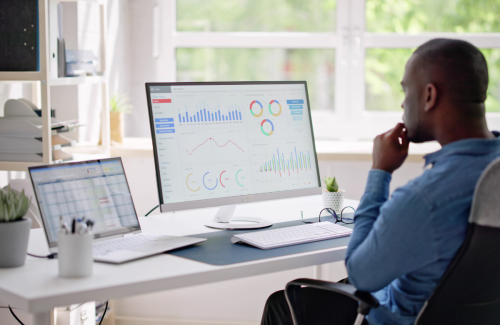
<point x="68" y="81"/>
<point x="45" y="79"/>
<point x="19" y="166"/>
<point x="8" y="76"/>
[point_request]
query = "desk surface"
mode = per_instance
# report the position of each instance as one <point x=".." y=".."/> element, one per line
<point x="36" y="287"/>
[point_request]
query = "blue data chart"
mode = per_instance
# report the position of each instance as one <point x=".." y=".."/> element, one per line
<point x="202" y="113"/>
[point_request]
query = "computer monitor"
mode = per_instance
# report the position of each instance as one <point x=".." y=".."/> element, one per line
<point x="229" y="143"/>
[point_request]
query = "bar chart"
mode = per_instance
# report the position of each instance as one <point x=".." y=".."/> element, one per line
<point x="294" y="162"/>
<point x="203" y="113"/>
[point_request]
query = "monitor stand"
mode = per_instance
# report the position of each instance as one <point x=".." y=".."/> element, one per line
<point x="224" y="219"/>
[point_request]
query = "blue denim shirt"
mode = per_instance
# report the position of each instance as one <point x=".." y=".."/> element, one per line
<point x="401" y="247"/>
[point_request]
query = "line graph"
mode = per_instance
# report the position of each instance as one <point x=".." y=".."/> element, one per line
<point x="211" y="148"/>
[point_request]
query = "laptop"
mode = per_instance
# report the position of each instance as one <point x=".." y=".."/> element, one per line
<point x="97" y="190"/>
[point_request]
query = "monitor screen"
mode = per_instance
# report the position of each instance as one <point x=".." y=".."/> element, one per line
<point x="228" y="140"/>
<point x="97" y="190"/>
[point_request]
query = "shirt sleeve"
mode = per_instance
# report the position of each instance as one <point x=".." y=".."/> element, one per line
<point x="391" y="237"/>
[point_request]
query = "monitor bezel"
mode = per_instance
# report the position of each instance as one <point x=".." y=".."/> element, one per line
<point x="239" y="199"/>
<point x="124" y="230"/>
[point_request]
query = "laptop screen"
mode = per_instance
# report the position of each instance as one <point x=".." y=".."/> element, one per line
<point x="95" y="189"/>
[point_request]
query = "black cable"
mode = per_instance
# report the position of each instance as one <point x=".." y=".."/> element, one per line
<point x="105" y="309"/>
<point x="50" y="257"/>
<point x="147" y="214"/>
<point x="12" y="312"/>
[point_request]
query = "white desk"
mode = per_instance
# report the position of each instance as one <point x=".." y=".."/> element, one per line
<point x="37" y="289"/>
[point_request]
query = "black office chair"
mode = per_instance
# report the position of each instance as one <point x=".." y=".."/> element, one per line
<point x="469" y="292"/>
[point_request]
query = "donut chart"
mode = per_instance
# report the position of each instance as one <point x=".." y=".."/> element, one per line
<point x="208" y="188"/>
<point x="187" y="184"/>
<point x="220" y="178"/>
<point x="237" y="178"/>
<point x="262" y="127"/>
<point x="261" y="108"/>
<point x="271" y="111"/>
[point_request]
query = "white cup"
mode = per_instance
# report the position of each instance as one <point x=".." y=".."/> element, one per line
<point x="75" y="255"/>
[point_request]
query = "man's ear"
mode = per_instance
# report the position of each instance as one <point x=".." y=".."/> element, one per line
<point x="430" y="97"/>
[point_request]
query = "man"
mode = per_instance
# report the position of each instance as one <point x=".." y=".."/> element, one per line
<point x="401" y="247"/>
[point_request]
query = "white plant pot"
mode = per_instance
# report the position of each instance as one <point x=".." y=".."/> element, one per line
<point x="14" y="242"/>
<point x="334" y="200"/>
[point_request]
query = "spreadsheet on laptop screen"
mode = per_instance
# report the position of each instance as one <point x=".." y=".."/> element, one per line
<point x="95" y="190"/>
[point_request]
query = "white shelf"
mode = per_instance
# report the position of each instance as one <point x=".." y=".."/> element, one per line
<point x="68" y="81"/>
<point x="79" y="153"/>
<point x="20" y="76"/>
<point x="19" y="166"/>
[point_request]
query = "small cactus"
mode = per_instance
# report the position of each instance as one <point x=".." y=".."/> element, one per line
<point x="13" y="205"/>
<point x="331" y="184"/>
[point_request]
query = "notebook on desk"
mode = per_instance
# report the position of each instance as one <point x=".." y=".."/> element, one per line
<point x="97" y="190"/>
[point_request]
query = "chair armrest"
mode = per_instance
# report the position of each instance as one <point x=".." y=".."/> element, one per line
<point x="292" y="294"/>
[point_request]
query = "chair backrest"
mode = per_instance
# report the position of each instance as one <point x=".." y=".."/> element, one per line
<point x="469" y="292"/>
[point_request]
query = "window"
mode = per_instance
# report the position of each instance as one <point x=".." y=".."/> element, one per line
<point x="352" y="53"/>
<point x="256" y="15"/>
<point x="216" y="64"/>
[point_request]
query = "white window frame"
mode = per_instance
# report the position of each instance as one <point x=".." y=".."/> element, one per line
<point x="349" y="120"/>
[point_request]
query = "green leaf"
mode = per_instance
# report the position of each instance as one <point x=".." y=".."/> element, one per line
<point x="120" y="103"/>
<point x="331" y="184"/>
<point x="13" y="205"/>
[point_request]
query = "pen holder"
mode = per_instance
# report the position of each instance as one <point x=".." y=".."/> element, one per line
<point x="75" y="255"/>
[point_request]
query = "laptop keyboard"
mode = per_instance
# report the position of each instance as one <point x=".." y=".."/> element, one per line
<point x="104" y="247"/>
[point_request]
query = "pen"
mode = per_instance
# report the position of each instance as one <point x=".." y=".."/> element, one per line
<point x="63" y="226"/>
<point x="82" y="228"/>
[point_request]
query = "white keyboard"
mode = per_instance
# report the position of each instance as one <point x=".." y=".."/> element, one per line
<point x="112" y="245"/>
<point x="288" y="236"/>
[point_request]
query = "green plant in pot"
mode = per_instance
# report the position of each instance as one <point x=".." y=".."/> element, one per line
<point x="333" y="197"/>
<point x="14" y="227"/>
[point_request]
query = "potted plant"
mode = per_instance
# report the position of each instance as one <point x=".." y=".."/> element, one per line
<point x="14" y="227"/>
<point x="333" y="197"/>
<point x="119" y="105"/>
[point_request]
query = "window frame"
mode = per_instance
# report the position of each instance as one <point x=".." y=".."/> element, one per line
<point x="350" y="41"/>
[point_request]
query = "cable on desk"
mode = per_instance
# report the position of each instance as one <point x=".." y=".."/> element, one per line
<point x="50" y="257"/>
<point x="105" y="309"/>
<point x="12" y="312"/>
<point x="147" y="214"/>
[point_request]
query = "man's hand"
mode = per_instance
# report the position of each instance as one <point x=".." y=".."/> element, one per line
<point x="390" y="149"/>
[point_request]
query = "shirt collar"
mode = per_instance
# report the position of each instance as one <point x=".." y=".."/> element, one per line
<point x="467" y="146"/>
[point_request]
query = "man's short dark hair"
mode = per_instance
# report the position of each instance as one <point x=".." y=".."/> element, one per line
<point x="458" y="65"/>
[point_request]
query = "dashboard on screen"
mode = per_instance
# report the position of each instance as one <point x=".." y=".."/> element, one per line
<point x="216" y="140"/>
